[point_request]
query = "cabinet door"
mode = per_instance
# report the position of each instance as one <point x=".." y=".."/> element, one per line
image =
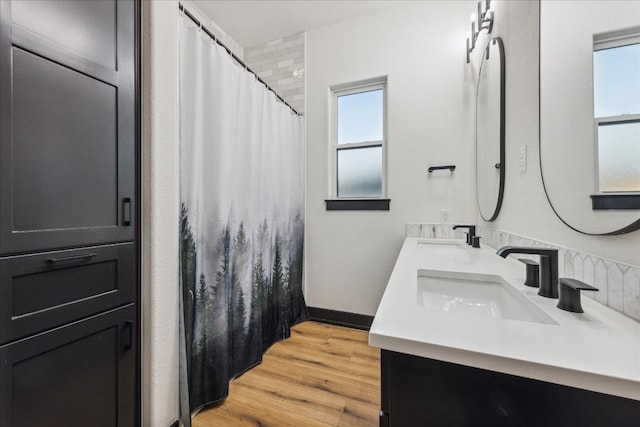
<point x="67" y="123"/>
<point x="44" y="290"/>
<point x="82" y="374"/>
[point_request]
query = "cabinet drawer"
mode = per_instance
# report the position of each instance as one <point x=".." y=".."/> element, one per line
<point x="38" y="292"/>
<point x="81" y="374"/>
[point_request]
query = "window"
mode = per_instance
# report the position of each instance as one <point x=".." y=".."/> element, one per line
<point x="616" y="106"/>
<point x="358" y="141"/>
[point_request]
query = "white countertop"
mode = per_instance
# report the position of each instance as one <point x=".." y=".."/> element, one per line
<point x="596" y="350"/>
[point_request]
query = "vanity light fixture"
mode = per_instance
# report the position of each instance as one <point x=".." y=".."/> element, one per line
<point x="483" y="20"/>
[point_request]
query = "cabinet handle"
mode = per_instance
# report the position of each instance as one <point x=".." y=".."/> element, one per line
<point x="71" y="258"/>
<point x="126" y="211"/>
<point x="127" y="335"/>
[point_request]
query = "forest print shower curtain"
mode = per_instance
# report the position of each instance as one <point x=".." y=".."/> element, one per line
<point x="241" y="165"/>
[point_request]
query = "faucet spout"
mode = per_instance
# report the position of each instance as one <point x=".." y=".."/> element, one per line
<point x="525" y="250"/>
<point x="548" y="266"/>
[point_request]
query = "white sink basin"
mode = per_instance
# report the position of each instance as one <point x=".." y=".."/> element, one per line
<point x="476" y="295"/>
<point x="442" y="242"/>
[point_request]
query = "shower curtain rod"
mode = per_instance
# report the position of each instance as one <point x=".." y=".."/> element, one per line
<point x="233" y="55"/>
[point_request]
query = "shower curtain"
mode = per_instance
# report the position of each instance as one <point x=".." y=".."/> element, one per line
<point x="241" y="167"/>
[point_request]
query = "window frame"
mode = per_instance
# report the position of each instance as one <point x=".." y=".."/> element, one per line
<point x="601" y="42"/>
<point x="351" y="89"/>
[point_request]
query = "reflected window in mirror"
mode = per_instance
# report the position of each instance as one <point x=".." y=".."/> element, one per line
<point x="568" y="130"/>
<point x="616" y="105"/>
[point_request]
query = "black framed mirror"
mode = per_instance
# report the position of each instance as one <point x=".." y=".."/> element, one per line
<point x="590" y="114"/>
<point x="490" y="130"/>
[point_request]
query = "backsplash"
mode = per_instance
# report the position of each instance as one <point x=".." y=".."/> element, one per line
<point x="618" y="284"/>
<point x="280" y="63"/>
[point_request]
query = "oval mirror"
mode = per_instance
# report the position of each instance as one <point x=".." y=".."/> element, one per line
<point x="590" y="114"/>
<point x="490" y="130"/>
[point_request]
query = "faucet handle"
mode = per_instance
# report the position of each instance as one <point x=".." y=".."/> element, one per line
<point x="533" y="272"/>
<point x="569" y="290"/>
<point x="576" y="284"/>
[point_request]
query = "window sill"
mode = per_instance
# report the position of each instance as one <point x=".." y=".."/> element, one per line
<point x="615" y="201"/>
<point x="358" y="204"/>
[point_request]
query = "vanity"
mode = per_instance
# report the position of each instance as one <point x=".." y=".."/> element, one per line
<point x="464" y="342"/>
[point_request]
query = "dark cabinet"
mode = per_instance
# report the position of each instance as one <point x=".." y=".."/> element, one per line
<point x="417" y="391"/>
<point x="81" y="374"/>
<point x="67" y="98"/>
<point x="69" y="263"/>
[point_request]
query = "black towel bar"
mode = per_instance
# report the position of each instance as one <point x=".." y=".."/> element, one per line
<point x="434" y="168"/>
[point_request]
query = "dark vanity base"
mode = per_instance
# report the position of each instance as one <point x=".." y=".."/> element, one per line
<point x="423" y="392"/>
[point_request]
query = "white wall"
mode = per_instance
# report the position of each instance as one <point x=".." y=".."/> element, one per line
<point x="420" y="48"/>
<point x="525" y="210"/>
<point x="349" y="255"/>
<point x="160" y="214"/>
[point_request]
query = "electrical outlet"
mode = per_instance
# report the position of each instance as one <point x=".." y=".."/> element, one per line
<point x="523" y="158"/>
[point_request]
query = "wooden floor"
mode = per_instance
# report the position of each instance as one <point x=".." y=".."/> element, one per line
<point x="323" y="375"/>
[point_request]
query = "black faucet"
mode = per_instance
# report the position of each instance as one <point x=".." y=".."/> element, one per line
<point x="470" y="235"/>
<point x="548" y="266"/>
